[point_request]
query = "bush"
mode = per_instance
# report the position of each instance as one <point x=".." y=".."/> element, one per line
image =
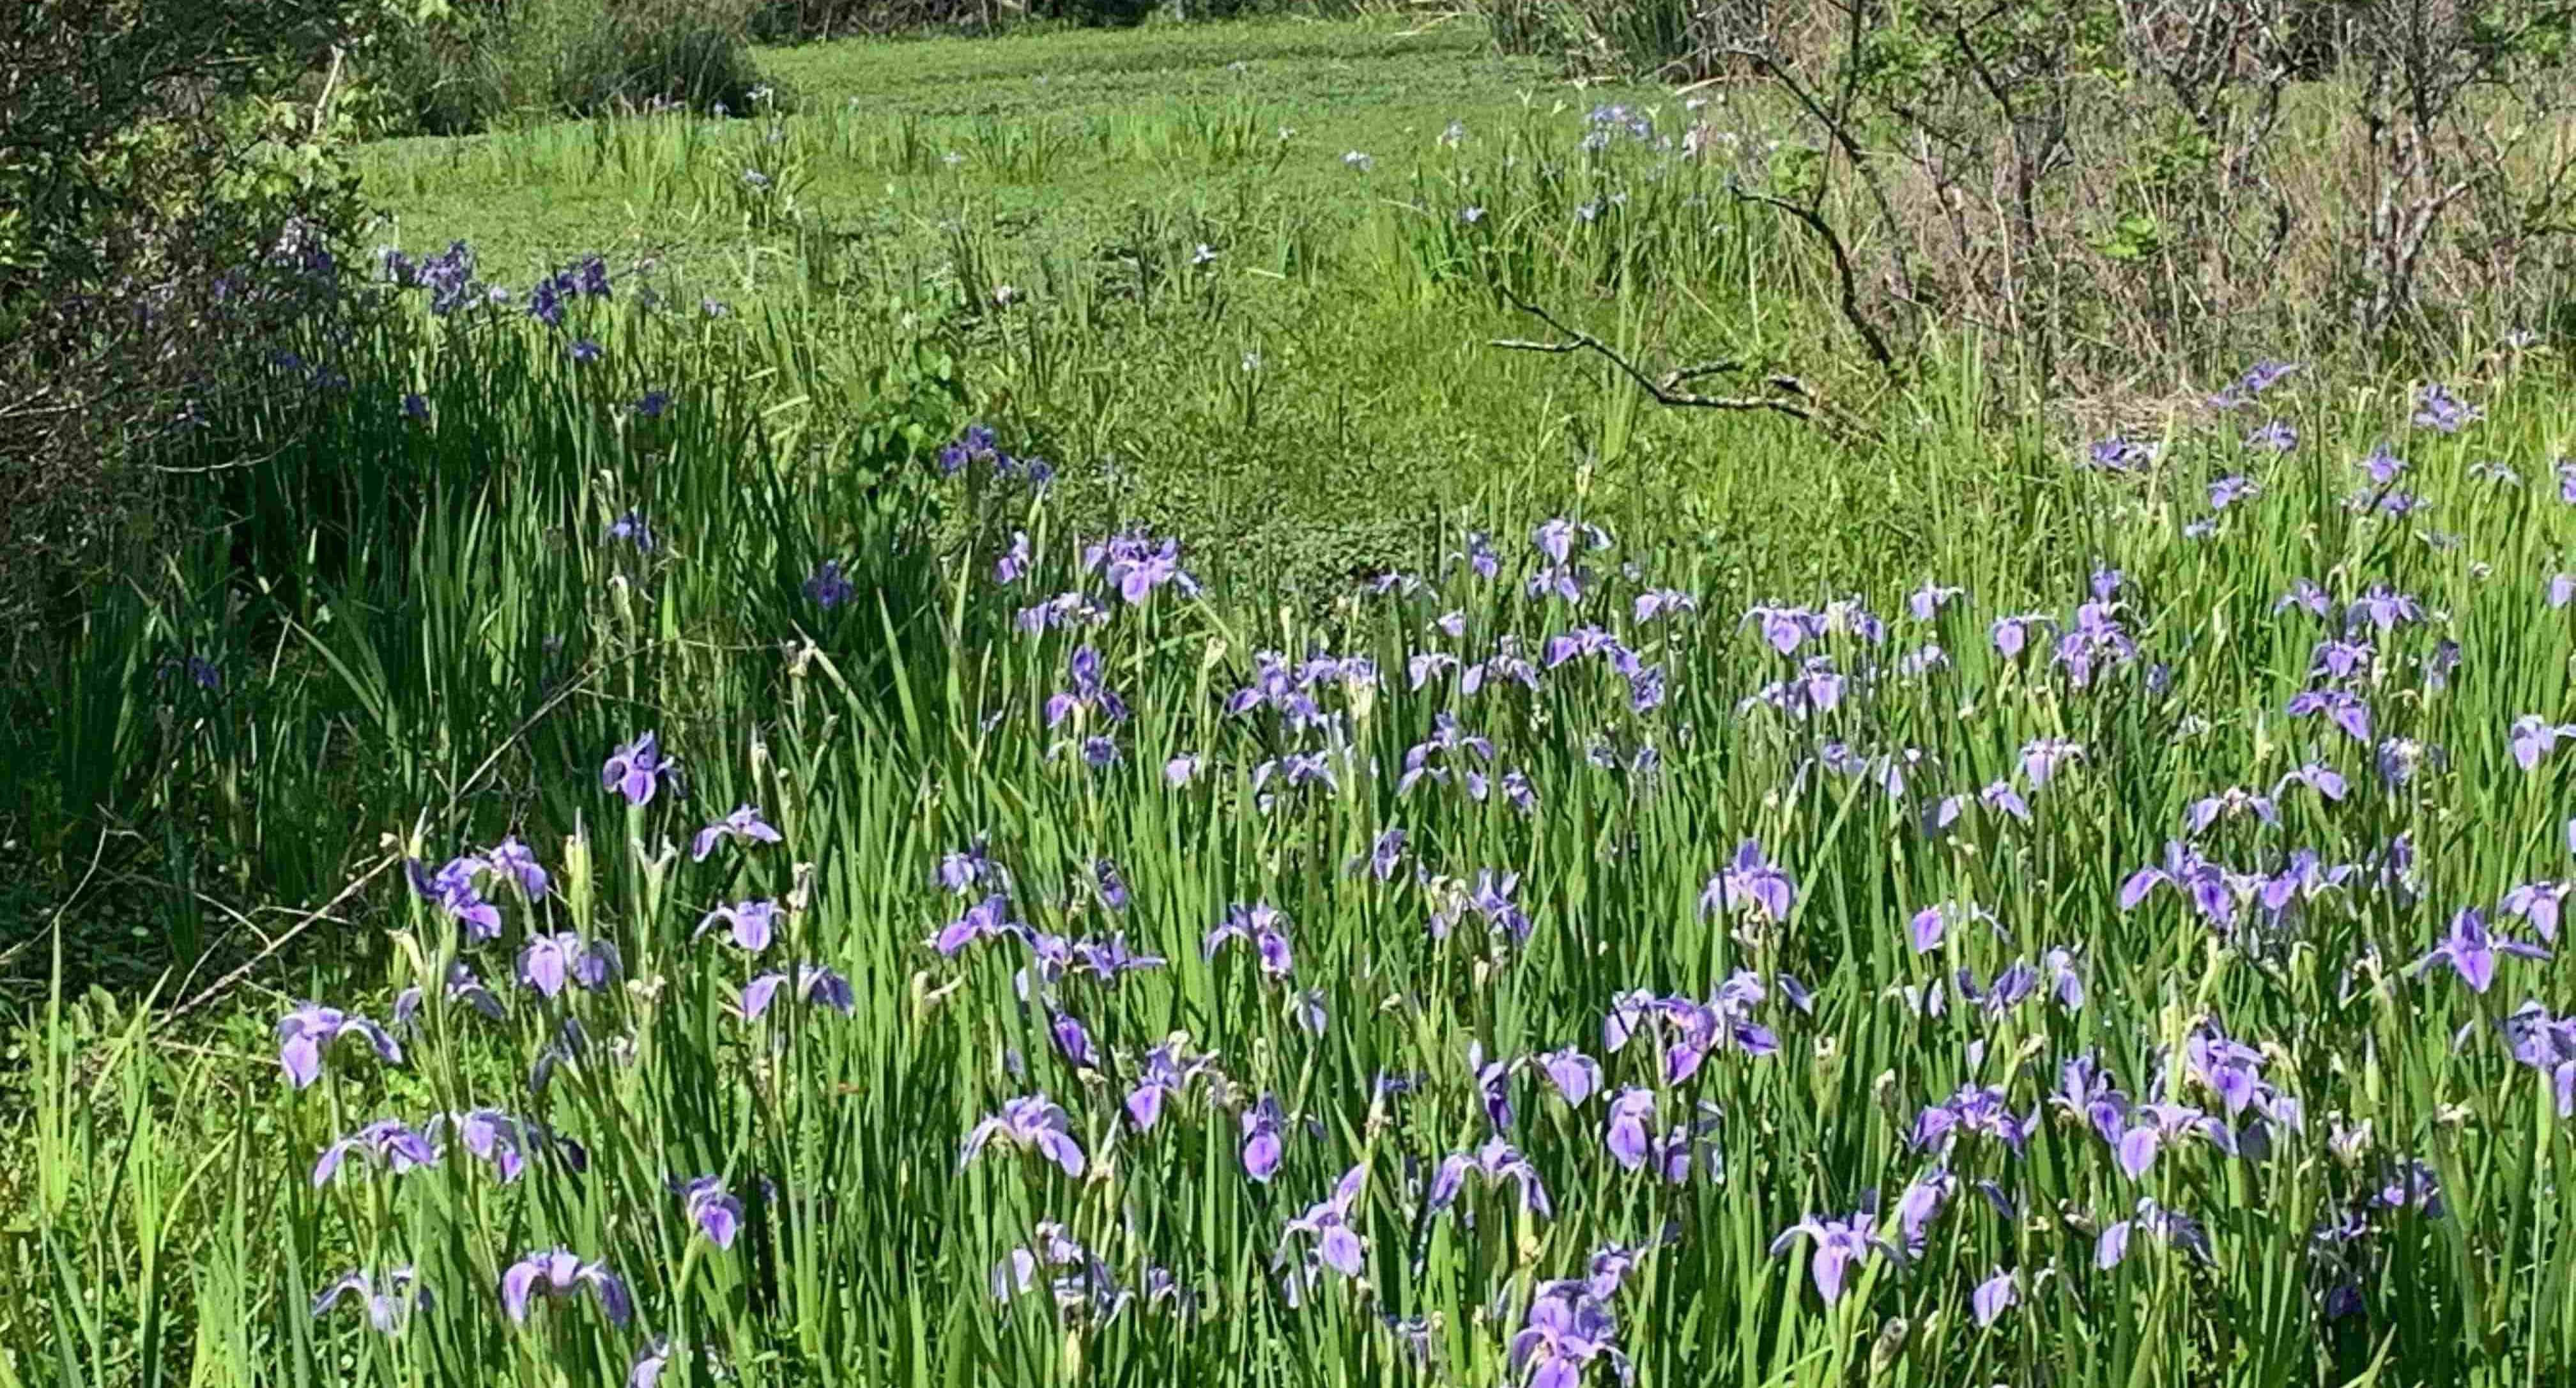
<point x="2119" y="188"/>
<point x="456" y="70"/>
<point x="162" y="218"/>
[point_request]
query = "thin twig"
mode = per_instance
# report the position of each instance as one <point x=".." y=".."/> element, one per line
<point x="1795" y="400"/>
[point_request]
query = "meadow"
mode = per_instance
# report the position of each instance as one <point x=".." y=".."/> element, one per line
<point x="987" y="736"/>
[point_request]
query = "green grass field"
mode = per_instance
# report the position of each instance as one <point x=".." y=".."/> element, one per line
<point x="1199" y="822"/>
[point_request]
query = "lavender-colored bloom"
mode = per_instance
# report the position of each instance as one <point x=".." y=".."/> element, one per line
<point x="1165" y="1077"/>
<point x="1927" y="601"/>
<point x="637" y="770"/>
<point x="2002" y="796"/>
<point x="2345" y="709"/>
<point x="1494" y="1162"/>
<point x="715" y="1211"/>
<point x="1337" y="1243"/>
<point x="1662" y="602"/>
<point x="1033" y="1123"/>
<point x="743" y="824"/>
<point x="1626" y="1133"/>
<point x="305" y="1033"/>
<point x="1137" y="564"/>
<point x="1264" y="1127"/>
<point x="518" y="862"/>
<point x="2470" y="949"/>
<point x="1932" y="924"/>
<point x="2538" y="903"/>
<point x="1073" y="1041"/>
<point x="2532" y="737"/>
<point x="462" y="986"/>
<point x="387" y="1310"/>
<point x="1182" y="769"/>
<point x="2186" y="871"/>
<point x="2011" y="635"/>
<point x="1264" y="927"/>
<point x="2273" y="435"/>
<point x="962" y="871"/>
<point x="986" y="919"/>
<point x="1566" y="1330"/>
<point x="2233" y="802"/>
<point x="650" y="1361"/>
<point x="2306" y="595"/>
<point x="830" y="586"/>
<point x="1994" y="1296"/>
<point x="1840" y="1244"/>
<point x="548" y="962"/>
<point x="386" y="1141"/>
<point x="454" y="890"/>
<point x="1575" y="1075"/>
<point x="2436" y="408"/>
<point x="750" y="924"/>
<point x="2119" y="453"/>
<point x="1750" y="883"/>
<point x="2041" y="758"/>
<point x="815" y="986"/>
<point x="1090" y="691"/>
<point x="2169" y="1227"/>
<point x="558" y="1273"/>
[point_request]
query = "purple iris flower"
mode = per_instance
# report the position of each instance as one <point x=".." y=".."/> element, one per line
<point x="387" y="1310"/>
<point x="2538" y="903"/>
<point x="632" y="528"/>
<point x="1576" y="1075"/>
<point x="651" y="1359"/>
<point x="2155" y="1126"/>
<point x="1164" y="1078"/>
<point x="2172" y="1228"/>
<point x="548" y="962"/>
<point x="2471" y="950"/>
<point x="1090" y="691"/>
<point x="1661" y="602"/>
<point x="2316" y="776"/>
<point x="2041" y="758"/>
<point x="2231" y="803"/>
<point x="2342" y="707"/>
<point x="815" y="986"/>
<point x="1495" y="1162"/>
<point x="972" y="866"/>
<point x="2012" y="634"/>
<point x="1073" y="1041"/>
<point x="1264" y="927"/>
<point x="1840" y="1245"/>
<point x="506" y="1143"/>
<point x="1994" y="1296"/>
<point x="1265" y="1138"/>
<point x="1927" y="601"/>
<point x="386" y="1141"/>
<point x="1976" y="1109"/>
<point x="1182" y="769"/>
<point x="1626" y="1134"/>
<point x="1015" y="561"/>
<point x="830" y="586"/>
<point x="1567" y="1329"/>
<point x="2382" y="608"/>
<point x="750" y="924"/>
<point x="716" y="1212"/>
<point x="2532" y="737"/>
<point x="2304" y="594"/>
<point x="986" y="919"/>
<point x="518" y="862"/>
<point x="560" y="1273"/>
<point x="2546" y="1044"/>
<point x="1328" y="1222"/>
<point x="1750" y="883"/>
<point x="637" y="770"/>
<point x="2119" y="453"/>
<point x="1385" y="856"/>
<point x="2209" y="886"/>
<point x="1932" y="924"/>
<point x="1137" y="564"/>
<point x="2002" y="796"/>
<point x="2273" y="435"/>
<point x="744" y="824"/>
<point x="462" y="986"/>
<point x="306" y="1032"/>
<point x="1107" y="960"/>
<point x="2437" y="409"/>
<point x="2233" y="488"/>
<point x="1033" y="1123"/>
<point x="454" y="890"/>
<point x="2342" y="659"/>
